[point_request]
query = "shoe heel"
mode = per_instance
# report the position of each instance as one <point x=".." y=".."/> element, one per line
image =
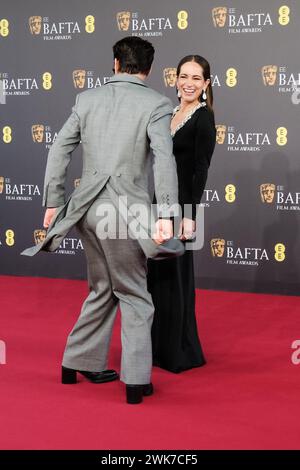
<point x="68" y="376"/>
<point x="148" y="390"/>
<point x="134" y="394"/>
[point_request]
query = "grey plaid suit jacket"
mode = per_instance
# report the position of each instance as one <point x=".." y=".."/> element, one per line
<point x="116" y="124"/>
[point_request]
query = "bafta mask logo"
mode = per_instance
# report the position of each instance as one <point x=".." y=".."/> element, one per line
<point x="76" y="182"/>
<point x="220" y="133"/>
<point x="79" y="78"/>
<point x="170" y="76"/>
<point x="39" y="236"/>
<point x="269" y="74"/>
<point x="37" y="131"/>
<point x="267" y="192"/>
<point x="1" y="184"/>
<point x="35" y="24"/>
<point x="123" y="20"/>
<point x="217" y="247"/>
<point x="219" y="15"/>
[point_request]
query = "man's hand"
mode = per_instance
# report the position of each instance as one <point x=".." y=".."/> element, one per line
<point x="164" y="231"/>
<point x="49" y="214"/>
<point x="187" y="229"/>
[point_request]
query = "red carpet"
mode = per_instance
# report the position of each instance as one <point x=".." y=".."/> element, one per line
<point x="246" y="397"/>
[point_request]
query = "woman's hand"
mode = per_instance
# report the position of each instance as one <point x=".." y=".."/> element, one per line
<point x="187" y="229"/>
<point x="49" y="214"/>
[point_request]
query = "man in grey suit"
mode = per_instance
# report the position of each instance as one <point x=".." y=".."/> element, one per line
<point x="116" y="124"/>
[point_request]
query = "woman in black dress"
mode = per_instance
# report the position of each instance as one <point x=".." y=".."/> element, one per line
<point x="176" y="345"/>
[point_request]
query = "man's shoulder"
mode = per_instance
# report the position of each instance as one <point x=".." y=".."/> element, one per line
<point x="89" y="94"/>
<point x="159" y="97"/>
<point x="159" y="101"/>
<point x="146" y="94"/>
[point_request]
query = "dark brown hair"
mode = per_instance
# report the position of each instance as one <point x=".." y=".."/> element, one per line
<point x="134" y="54"/>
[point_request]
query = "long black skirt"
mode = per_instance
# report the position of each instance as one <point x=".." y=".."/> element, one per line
<point x="175" y="342"/>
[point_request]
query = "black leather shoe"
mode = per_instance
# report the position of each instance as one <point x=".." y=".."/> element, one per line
<point x="148" y="390"/>
<point x="69" y="376"/>
<point x="135" y="393"/>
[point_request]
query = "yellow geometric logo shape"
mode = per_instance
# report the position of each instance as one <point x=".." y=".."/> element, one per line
<point x="90" y="24"/>
<point x="47" y="81"/>
<point x="231" y="77"/>
<point x="4" y="27"/>
<point x="281" y="136"/>
<point x="182" y="17"/>
<point x="280" y="252"/>
<point x="284" y="15"/>
<point x="7" y="136"/>
<point x="10" y="237"/>
<point x="230" y="195"/>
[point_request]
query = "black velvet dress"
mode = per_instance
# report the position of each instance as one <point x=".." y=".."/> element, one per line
<point x="176" y="345"/>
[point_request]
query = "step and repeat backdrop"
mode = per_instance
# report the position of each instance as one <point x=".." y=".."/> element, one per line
<point x="50" y="51"/>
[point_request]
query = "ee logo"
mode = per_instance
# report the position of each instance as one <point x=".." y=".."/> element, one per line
<point x="4" y="28"/>
<point x="182" y="17"/>
<point x="281" y="136"/>
<point x="7" y="137"/>
<point x="284" y="15"/>
<point x="230" y="195"/>
<point x="47" y="81"/>
<point x="90" y="24"/>
<point x="280" y="252"/>
<point x="10" y="237"/>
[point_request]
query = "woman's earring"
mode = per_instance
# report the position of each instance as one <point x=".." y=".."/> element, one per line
<point x="178" y="94"/>
<point x="204" y="95"/>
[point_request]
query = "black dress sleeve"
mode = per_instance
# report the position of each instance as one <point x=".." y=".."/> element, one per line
<point x="205" y="141"/>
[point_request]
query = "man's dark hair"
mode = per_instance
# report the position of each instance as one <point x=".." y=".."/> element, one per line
<point x="134" y="54"/>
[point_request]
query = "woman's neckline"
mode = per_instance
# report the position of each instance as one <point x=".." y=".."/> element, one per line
<point x="187" y="117"/>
